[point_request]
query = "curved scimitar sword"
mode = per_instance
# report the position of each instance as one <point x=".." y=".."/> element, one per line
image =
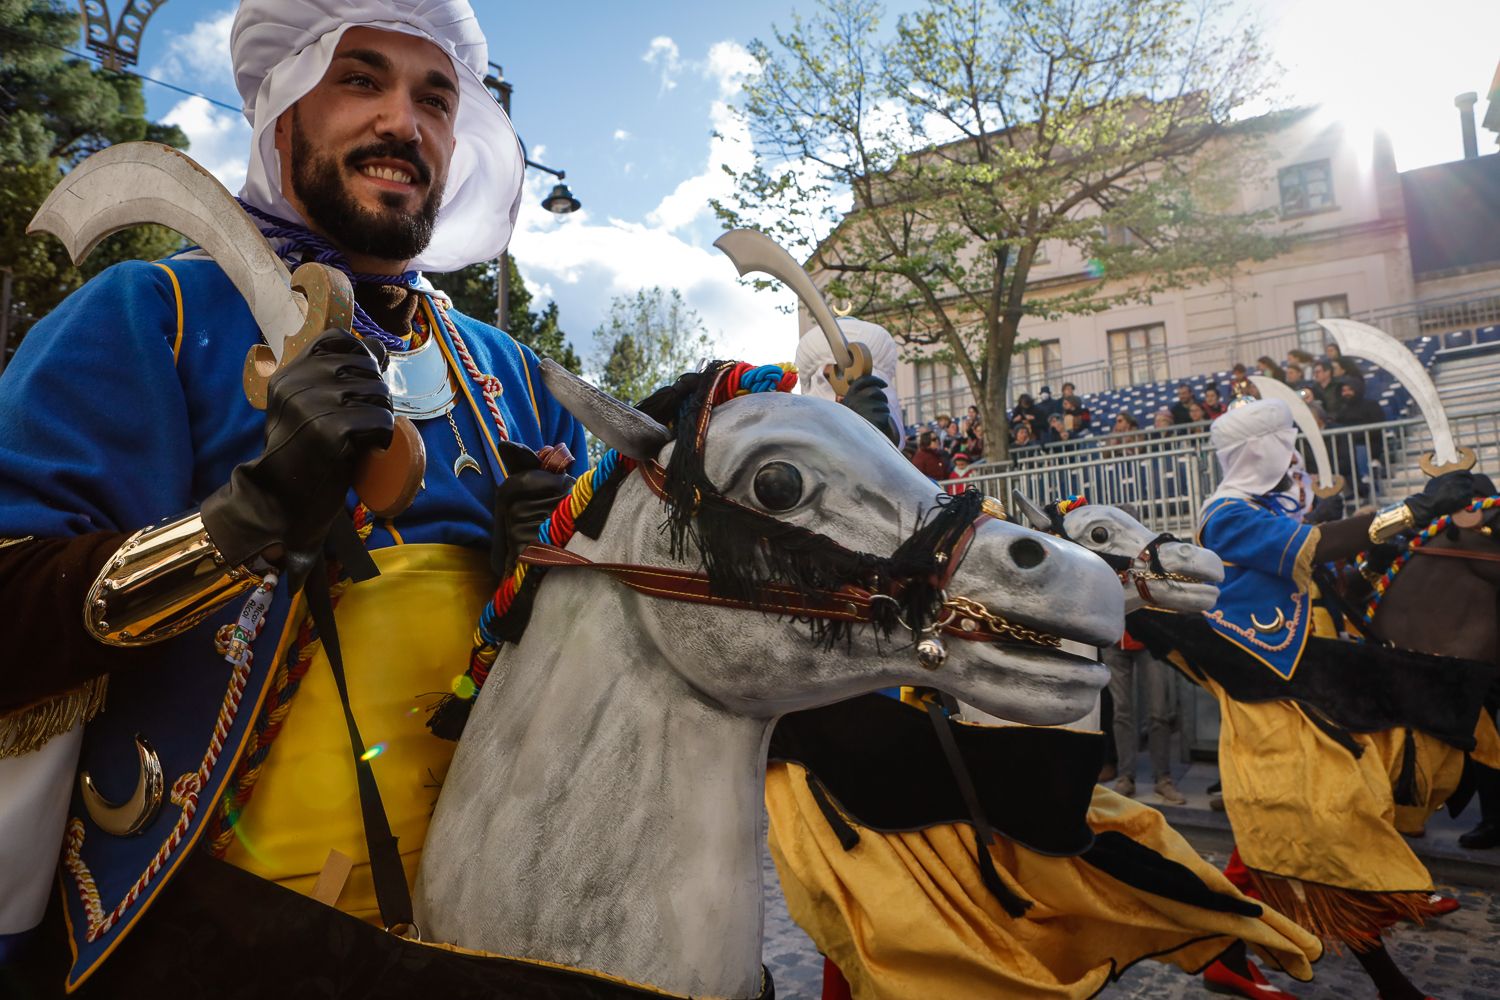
<point x="1362" y="341"/>
<point x="751" y="251"/>
<point x="135" y="183"/>
<point x="1329" y="482"/>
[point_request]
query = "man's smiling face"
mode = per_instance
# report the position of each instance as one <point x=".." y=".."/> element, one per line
<point x="365" y="153"/>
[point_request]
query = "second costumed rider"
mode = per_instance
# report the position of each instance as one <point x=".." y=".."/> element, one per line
<point x="1327" y="748"/>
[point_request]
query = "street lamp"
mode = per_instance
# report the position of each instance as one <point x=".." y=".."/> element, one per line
<point x="560" y="202"/>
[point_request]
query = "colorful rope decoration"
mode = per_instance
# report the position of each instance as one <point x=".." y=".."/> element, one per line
<point x="558" y="529"/>
<point x="1072" y="503"/>
<point x="1426" y="535"/>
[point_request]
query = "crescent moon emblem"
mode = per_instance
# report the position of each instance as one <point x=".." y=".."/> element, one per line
<point x="136" y="813"/>
<point x="465" y="461"/>
<point x="1276" y="624"/>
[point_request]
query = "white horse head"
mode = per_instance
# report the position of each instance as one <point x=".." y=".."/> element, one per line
<point x="603" y="807"/>
<point x="1156" y="570"/>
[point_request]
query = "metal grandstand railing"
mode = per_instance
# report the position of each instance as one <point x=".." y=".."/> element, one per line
<point x="1166" y="475"/>
<point x="1406" y="321"/>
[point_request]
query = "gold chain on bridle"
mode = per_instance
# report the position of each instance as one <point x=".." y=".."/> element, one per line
<point x="971" y="613"/>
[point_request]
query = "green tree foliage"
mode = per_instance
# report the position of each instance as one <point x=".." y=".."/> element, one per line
<point x="925" y="170"/>
<point x="54" y="111"/>
<point x="474" y="293"/>
<point x="647" y="340"/>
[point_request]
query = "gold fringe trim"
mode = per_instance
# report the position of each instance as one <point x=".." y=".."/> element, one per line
<point x="28" y="729"/>
<point x="1341" y="916"/>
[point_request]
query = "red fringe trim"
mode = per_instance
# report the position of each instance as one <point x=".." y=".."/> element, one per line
<point x="1341" y="916"/>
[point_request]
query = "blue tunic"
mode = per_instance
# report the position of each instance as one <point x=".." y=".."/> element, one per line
<point x="1264" y="603"/>
<point x="125" y="407"/>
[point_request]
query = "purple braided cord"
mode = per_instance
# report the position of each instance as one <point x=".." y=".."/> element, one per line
<point x="320" y="251"/>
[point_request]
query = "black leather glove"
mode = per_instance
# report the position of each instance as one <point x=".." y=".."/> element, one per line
<point x="1443" y="495"/>
<point x="325" y="410"/>
<point x="522" y="503"/>
<point x="866" y="396"/>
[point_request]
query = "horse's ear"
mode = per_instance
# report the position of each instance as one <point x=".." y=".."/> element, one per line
<point x="622" y="427"/>
<point x="1034" y="514"/>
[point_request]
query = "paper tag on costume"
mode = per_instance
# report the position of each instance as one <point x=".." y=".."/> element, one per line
<point x="331" y="880"/>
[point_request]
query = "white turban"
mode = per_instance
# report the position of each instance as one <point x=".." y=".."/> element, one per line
<point x="813" y="353"/>
<point x="1255" y="443"/>
<point x="282" y="48"/>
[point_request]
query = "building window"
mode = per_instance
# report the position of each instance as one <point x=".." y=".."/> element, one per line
<point x="1138" y="354"/>
<point x="941" y="388"/>
<point x="1310" y="335"/>
<point x="1036" y="366"/>
<point x="1119" y="235"/>
<point x="1306" y="187"/>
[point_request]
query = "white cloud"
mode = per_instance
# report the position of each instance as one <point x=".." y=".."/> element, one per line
<point x="621" y="135"/>
<point x="219" y="140"/>
<point x="665" y="56"/>
<point x="728" y="66"/>
<point x="583" y="263"/>
<point x="201" y="55"/>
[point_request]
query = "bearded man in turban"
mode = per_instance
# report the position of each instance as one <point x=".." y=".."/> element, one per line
<point x="155" y="529"/>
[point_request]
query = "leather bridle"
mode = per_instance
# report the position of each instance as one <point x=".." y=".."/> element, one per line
<point x="957" y="616"/>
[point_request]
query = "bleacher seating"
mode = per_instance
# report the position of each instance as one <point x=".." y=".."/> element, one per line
<point x="1471" y="338"/>
<point x="1142" y="401"/>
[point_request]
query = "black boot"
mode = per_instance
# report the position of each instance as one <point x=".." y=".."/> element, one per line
<point x="1484" y="836"/>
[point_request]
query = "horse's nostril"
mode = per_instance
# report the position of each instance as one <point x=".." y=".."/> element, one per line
<point x="1027" y="552"/>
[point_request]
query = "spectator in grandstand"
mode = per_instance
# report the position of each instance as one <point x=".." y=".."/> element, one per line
<point x="955" y="483"/>
<point x="1076" y="416"/>
<point x="1022" y="438"/>
<point x="1196" y="413"/>
<point x="1127" y="434"/>
<point x="931" y="460"/>
<point x="1212" y="405"/>
<point x="1162" y="419"/>
<point x="1348" y="368"/>
<point x="947" y="432"/>
<point x="1327" y="392"/>
<point x="1296" y="377"/>
<point x="1353" y="408"/>
<point x="1297" y="356"/>
<point x="1269" y="367"/>
<point x="970" y="440"/>
<point x="1331" y="351"/>
<point x="1025" y="411"/>
<point x="1045" y="407"/>
<point x="1364" y="452"/>
<point x="1185" y="398"/>
<point x="1056" y="432"/>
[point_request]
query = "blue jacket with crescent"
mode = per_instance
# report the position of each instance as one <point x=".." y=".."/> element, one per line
<point x="124" y="407"/>
<point x="1264" y="603"/>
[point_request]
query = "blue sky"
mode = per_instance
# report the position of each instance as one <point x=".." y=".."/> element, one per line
<point x="625" y="98"/>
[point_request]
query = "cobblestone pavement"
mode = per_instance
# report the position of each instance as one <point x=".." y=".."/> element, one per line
<point x="1456" y="957"/>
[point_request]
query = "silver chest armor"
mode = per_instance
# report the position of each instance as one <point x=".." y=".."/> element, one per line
<point x="419" y="384"/>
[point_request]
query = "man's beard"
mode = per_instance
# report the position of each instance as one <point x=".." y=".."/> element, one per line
<point x="394" y="234"/>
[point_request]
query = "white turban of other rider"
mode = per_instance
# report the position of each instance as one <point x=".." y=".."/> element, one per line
<point x="814" y="354"/>
<point x="282" y="48"/>
<point x="1255" y="443"/>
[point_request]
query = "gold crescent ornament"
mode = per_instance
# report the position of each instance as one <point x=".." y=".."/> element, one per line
<point x="136" y="813"/>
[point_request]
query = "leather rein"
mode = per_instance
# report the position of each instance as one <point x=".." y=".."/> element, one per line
<point x="960" y="617"/>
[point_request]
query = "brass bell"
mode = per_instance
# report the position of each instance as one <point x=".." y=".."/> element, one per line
<point x="931" y="653"/>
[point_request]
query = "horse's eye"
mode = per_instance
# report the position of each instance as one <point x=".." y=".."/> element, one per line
<point x="778" y="486"/>
<point x="1100" y="534"/>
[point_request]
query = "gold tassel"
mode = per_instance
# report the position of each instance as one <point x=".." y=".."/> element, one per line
<point x="28" y="729"/>
<point x="1341" y="917"/>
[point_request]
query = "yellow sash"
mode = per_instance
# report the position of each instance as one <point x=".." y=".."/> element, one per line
<point x="405" y="635"/>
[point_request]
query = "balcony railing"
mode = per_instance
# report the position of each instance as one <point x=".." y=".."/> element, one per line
<point x="1406" y="321"/>
<point x="1167" y="474"/>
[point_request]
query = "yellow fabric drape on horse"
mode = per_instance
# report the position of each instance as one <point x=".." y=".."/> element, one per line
<point x="404" y="634"/>
<point x="1487" y="742"/>
<point x="906" y="915"/>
